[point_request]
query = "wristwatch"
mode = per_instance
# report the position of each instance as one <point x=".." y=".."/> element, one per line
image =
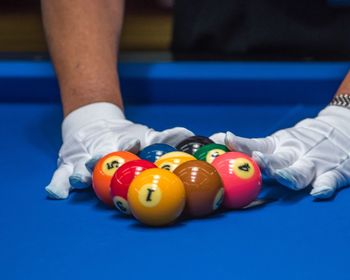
<point x="342" y="100"/>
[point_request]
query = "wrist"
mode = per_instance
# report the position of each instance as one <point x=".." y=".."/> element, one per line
<point x="74" y="98"/>
<point x="78" y="103"/>
<point x="89" y="86"/>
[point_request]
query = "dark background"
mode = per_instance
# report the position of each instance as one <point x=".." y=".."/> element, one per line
<point x="205" y="29"/>
<point x="148" y="26"/>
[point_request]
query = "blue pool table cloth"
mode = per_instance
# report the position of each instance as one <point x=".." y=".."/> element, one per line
<point x="292" y="237"/>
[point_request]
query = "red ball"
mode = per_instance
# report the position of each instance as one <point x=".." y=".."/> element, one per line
<point x="104" y="171"/>
<point x="241" y="178"/>
<point x="122" y="179"/>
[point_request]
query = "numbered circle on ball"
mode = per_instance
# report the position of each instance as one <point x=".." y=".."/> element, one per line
<point x="122" y="205"/>
<point x="170" y="166"/>
<point x="111" y="164"/>
<point x="150" y="195"/>
<point x="213" y="154"/>
<point x="243" y="168"/>
<point x="218" y="200"/>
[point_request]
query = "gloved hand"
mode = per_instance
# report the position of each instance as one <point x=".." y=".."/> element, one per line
<point x="93" y="131"/>
<point x="315" y="151"/>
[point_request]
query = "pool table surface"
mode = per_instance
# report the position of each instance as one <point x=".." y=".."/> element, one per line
<point x="291" y="237"/>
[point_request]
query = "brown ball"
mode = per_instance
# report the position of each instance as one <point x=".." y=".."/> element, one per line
<point x="203" y="185"/>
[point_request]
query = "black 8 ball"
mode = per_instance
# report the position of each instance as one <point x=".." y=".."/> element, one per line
<point x="192" y="144"/>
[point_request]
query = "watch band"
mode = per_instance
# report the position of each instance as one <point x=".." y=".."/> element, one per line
<point x="342" y="100"/>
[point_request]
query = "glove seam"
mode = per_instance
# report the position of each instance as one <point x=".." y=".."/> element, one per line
<point x="332" y="129"/>
<point x="347" y="153"/>
<point x="335" y="129"/>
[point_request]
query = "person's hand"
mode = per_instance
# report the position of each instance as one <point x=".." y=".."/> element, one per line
<point x="315" y="151"/>
<point x="93" y="131"/>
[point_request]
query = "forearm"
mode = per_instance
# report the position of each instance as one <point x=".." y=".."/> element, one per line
<point x="344" y="88"/>
<point x="83" y="38"/>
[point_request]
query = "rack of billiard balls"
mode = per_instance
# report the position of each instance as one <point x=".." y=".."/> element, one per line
<point x="161" y="182"/>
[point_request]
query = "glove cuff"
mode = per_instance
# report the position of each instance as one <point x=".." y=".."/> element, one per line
<point x="89" y="114"/>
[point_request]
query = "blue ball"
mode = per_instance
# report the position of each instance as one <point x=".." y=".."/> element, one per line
<point x="155" y="151"/>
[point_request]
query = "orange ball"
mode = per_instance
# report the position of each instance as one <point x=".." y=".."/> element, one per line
<point x="156" y="197"/>
<point x="104" y="171"/>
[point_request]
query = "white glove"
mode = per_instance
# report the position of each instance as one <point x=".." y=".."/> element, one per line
<point x="93" y="131"/>
<point x="315" y="151"/>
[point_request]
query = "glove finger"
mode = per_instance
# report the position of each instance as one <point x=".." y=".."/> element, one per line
<point x="81" y="177"/>
<point x="98" y="153"/>
<point x="218" y="138"/>
<point x="59" y="186"/>
<point x="90" y="164"/>
<point x="247" y="146"/>
<point x="259" y="158"/>
<point x="271" y="162"/>
<point x="326" y="184"/>
<point x="297" y="176"/>
<point x="171" y="136"/>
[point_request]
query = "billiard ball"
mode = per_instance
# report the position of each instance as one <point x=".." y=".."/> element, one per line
<point x="122" y="179"/>
<point x="203" y="186"/>
<point x="241" y="178"/>
<point x="192" y="144"/>
<point x="210" y="152"/>
<point x="172" y="160"/>
<point x="156" y="197"/>
<point x="155" y="151"/>
<point x="104" y="171"/>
